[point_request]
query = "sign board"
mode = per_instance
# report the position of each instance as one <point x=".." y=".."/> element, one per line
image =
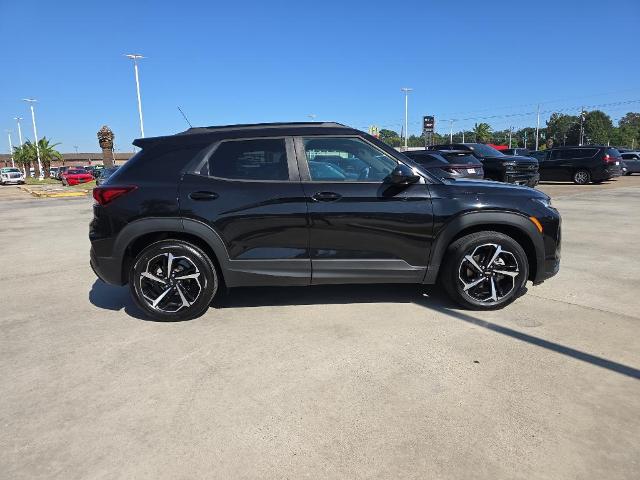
<point x="428" y="124"/>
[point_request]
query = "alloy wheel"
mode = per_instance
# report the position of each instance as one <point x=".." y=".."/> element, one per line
<point x="581" y="177"/>
<point x="488" y="274"/>
<point x="170" y="283"/>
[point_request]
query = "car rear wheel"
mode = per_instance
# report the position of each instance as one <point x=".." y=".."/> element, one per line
<point x="485" y="270"/>
<point x="173" y="280"/>
<point x="581" y="177"/>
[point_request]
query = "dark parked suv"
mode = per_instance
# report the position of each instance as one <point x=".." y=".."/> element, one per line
<point x="309" y="204"/>
<point x="579" y="164"/>
<point x="497" y="166"/>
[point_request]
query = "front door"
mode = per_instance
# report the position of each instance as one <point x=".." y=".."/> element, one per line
<point x="362" y="228"/>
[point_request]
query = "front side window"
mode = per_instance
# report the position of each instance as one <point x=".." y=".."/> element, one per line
<point x="258" y="159"/>
<point x="336" y="159"/>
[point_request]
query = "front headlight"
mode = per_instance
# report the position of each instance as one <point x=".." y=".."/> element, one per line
<point x="544" y="201"/>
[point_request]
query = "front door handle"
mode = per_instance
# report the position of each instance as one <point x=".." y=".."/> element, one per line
<point x="326" y="197"/>
<point x="203" y="195"/>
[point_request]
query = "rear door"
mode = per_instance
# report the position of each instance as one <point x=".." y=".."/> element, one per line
<point x="248" y="191"/>
<point x="362" y="229"/>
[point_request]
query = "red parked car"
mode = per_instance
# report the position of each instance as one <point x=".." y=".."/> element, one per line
<point x="75" y="176"/>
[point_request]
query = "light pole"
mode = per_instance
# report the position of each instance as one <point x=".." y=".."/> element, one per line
<point x="31" y="101"/>
<point x="17" y="119"/>
<point x="406" y="91"/>
<point x="450" y="131"/>
<point x="10" y="148"/>
<point x="135" y="57"/>
<point x="537" y="127"/>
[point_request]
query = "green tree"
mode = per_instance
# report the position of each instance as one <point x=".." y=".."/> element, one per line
<point x="482" y="132"/>
<point x="390" y="137"/>
<point x="48" y="152"/>
<point x="628" y="132"/>
<point x="598" y="127"/>
<point x="559" y="128"/>
<point x="22" y="159"/>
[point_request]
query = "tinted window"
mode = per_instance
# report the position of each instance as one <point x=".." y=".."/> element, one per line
<point x="571" y="153"/>
<point x="423" y="158"/>
<point x="260" y="159"/>
<point x="460" y="158"/>
<point x="630" y="156"/>
<point x="613" y="152"/>
<point x="484" y="150"/>
<point x="346" y="160"/>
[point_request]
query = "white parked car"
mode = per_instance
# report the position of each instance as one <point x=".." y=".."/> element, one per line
<point x="11" y="175"/>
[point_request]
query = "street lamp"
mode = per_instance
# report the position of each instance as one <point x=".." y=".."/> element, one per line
<point x="10" y="148"/>
<point x="17" y="119"/>
<point x="406" y="91"/>
<point x="135" y="57"/>
<point x="31" y="101"/>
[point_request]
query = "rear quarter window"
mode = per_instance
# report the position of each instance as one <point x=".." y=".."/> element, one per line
<point x="156" y="163"/>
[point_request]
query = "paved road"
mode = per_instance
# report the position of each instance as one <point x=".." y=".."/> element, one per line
<point x="335" y="382"/>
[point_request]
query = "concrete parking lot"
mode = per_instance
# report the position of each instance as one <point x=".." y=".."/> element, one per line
<point x="324" y="382"/>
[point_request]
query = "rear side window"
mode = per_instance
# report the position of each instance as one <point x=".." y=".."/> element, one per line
<point x="613" y="152"/>
<point x="460" y="158"/>
<point x="155" y="163"/>
<point x="259" y="159"/>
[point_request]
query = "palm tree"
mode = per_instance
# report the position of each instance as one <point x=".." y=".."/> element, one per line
<point x="482" y="132"/>
<point x="48" y="153"/>
<point x="25" y="156"/>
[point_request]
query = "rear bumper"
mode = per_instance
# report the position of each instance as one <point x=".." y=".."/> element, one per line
<point x="108" y="269"/>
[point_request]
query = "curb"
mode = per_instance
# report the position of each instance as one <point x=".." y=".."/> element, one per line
<point x="45" y="194"/>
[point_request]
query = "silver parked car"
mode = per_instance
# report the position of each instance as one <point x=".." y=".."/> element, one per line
<point x="631" y="161"/>
<point x="11" y="175"/>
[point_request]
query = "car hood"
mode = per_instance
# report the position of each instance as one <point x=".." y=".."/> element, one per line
<point x="480" y="187"/>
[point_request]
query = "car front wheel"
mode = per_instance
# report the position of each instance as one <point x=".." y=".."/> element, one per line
<point x="173" y="280"/>
<point x="485" y="270"/>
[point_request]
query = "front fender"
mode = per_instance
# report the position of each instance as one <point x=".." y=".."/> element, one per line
<point x="492" y="220"/>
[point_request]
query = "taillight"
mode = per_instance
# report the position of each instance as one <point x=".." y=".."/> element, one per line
<point x="107" y="194"/>
<point x="609" y="159"/>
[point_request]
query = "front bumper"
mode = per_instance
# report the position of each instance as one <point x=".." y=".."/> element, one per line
<point x="528" y="179"/>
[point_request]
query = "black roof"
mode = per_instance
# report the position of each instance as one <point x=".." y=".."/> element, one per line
<point x="198" y="134"/>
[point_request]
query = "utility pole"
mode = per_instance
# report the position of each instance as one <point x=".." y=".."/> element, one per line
<point x="450" y="131"/>
<point x="525" y="139"/>
<point x="31" y="101"/>
<point x="406" y="91"/>
<point x="10" y="148"/>
<point x="463" y="135"/>
<point x="17" y="119"/>
<point x="135" y="57"/>
<point x="510" y="133"/>
<point x="537" y="126"/>
<point x="581" y="126"/>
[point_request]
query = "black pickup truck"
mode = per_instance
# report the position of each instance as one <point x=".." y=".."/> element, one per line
<point x="498" y="166"/>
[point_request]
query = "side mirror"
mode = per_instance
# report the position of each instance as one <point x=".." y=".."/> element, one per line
<point x="403" y="175"/>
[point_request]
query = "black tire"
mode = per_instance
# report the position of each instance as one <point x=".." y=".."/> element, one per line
<point x="198" y="293"/>
<point x="506" y="287"/>
<point x="581" y="177"/>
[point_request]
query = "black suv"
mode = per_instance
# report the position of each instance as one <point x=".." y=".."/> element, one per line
<point x="497" y="166"/>
<point x="309" y="204"/>
<point x="579" y="164"/>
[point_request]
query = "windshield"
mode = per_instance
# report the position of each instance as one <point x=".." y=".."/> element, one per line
<point x="485" y="150"/>
<point x="9" y="170"/>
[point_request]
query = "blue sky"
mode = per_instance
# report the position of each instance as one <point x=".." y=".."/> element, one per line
<point x="254" y="61"/>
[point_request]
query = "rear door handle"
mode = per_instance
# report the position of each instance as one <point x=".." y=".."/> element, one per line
<point x="326" y="197"/>
<point x="203" y="195"/>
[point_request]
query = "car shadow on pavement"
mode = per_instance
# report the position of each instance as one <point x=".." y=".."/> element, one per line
<point x="428" y="296"/>
<point x="111" y="297"/>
